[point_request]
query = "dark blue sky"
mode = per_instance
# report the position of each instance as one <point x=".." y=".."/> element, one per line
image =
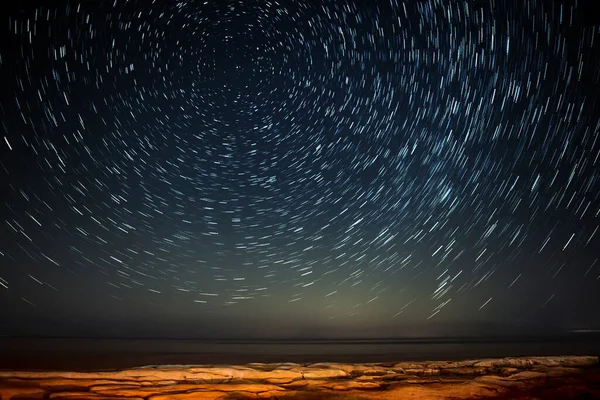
<point x="298" y="169"/>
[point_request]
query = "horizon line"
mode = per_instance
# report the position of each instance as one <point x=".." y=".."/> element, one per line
<point x="439" y="338"/>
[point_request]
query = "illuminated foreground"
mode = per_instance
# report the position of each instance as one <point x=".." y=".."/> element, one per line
<point x="515" y="378"/>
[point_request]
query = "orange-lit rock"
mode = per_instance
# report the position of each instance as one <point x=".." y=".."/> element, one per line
<point x="524" y="377"/>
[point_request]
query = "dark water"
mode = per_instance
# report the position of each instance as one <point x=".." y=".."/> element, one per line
<point x="99" y="354"/>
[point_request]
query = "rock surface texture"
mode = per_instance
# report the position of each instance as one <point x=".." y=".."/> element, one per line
<point x="567" y="377"/>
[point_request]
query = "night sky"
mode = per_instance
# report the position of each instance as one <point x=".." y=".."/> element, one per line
<point x="294" y="168"/>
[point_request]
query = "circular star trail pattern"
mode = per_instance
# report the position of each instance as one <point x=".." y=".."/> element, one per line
<point x="327" y="164"/>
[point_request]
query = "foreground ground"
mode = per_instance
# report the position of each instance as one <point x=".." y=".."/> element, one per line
<point x="574" y="377"/>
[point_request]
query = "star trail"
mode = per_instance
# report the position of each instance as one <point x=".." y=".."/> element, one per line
<point x="299" y="166"/>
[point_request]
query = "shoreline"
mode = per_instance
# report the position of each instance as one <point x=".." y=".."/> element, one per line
<point x="571" y="376"/>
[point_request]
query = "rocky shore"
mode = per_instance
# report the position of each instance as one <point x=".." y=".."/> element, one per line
<point x="565" y="377"/>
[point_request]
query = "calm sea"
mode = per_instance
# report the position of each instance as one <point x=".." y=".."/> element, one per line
<point x="101" y="354"/>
